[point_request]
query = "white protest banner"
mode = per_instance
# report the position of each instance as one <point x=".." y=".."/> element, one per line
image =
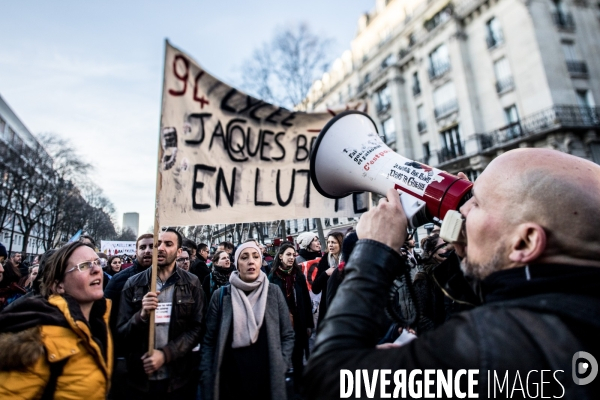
<point x="117" y="247"/>
<point x="227" y="157"/>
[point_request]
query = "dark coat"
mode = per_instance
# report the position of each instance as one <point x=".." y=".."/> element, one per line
<point x="303" y="317"/>
<point x="113" y="291"/>
<point x="333" y="283"/>
<point x="534" y="318"/>
<point x="184" y="329"/>
<point x="280" y="337"/>
<point x="320" y="285"/>
<point x="200" y="269"/>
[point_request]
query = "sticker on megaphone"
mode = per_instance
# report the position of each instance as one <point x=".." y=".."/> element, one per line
<point x="349" y="156"/>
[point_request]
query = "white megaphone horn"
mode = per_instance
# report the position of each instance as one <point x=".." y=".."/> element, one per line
<point x="348" y="157"/>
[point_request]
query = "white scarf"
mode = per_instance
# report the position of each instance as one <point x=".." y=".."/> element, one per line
<point x="248" y="311"/>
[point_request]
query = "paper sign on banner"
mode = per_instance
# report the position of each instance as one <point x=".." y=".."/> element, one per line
<point x="227" y="157"/>
<point x="163" y="313"/>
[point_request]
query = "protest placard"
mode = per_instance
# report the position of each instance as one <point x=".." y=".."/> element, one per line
<point x="226" y="157"/>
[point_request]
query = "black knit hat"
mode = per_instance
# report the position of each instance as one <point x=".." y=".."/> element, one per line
<point x="3" y="252"/>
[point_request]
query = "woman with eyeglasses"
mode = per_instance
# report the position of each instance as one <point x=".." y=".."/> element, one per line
<point x="286" y="274"/>
<point x="58" y="344"/>
<point x="433" y="305"/>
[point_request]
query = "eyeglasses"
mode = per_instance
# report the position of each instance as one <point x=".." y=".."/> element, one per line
<point x="84" y="266"/>
<point x="186" y="259"/>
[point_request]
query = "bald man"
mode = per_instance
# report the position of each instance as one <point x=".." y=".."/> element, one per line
<point x="532" y="245"/>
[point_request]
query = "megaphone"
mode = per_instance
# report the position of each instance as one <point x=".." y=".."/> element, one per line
<point x="349" y="156"/>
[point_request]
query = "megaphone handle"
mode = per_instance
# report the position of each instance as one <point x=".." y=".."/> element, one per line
<point x="415" y="210"/>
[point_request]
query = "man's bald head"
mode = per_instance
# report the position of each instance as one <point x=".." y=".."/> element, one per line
<point x="557" y="191"/>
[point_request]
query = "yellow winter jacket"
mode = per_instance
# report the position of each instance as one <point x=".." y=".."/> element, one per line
<point x="60" y="335"/>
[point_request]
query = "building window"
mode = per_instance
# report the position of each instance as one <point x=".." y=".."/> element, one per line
<point x="336" y="221"/>
<point x="382" y="99"/>
<point x="574" y="64"/>
<point x="389" y="131"/>
<point x="504" y="79"/>
<point x="452" y="146"/>
<point x="416" y="84"/>
<point x="439" y="18"/>
<point x="421" y="124"/>
<point x="349" y="91"/>
<point x="426" y="153"/>
<point x="11" y="135"/>
<point x="2" y="126"/>
<point x="561" y="17"/>
<point x="513" y="126"/>
<point x="389" y="60"/>
<point x="444" y="100"/>
<point x="411" y="39"/>
<point x="494" y="33"/>
<point x="595" y="150"/>
<point x="588" y="114"/>
<point x="439" y="62"/>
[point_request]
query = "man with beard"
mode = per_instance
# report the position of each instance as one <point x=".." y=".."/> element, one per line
<point x="143" y="260"/>
<point x="143" y="249"/>
<point x="532" y="244"/>
<point x="170" y="372"/>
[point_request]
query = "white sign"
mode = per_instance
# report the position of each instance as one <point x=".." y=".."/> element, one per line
<point x="227" y="157"/>
<point x="163" y="313"/>
<point x="117" y="247"/>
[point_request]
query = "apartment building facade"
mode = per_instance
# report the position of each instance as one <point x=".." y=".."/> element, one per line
<point x="15" y="138"/>
<point x="454" y="84"/>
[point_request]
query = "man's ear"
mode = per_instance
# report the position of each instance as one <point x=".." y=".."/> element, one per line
<point x="528" y="244"/>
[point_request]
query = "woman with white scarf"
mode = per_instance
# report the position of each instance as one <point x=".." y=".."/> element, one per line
<point x="249" y="339"/>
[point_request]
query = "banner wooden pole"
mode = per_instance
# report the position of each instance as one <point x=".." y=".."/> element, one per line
<point x="151" y="321"/>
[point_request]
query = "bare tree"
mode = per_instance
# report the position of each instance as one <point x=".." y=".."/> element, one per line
<point x="66" y="215"/>
<point x="283" y="70"/>
<point x="126" y="234"/>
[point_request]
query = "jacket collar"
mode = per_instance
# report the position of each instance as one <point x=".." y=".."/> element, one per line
<point x="541" y="279"/>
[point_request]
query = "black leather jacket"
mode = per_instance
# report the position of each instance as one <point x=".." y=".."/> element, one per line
<point x="533" y="318"/>
<point x="184" y="328"/>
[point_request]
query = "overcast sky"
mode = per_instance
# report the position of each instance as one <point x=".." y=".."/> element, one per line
<point x="91" y="71"/>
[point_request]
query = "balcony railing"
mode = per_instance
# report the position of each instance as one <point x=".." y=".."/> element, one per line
<point x="493" y="41"/>
<point x="450" y="153"/>
<point x="577" y="67"/>
<point x="438" y="69"/>
<point x="505" y="84"/>
<point x="562" y="116"/>
<point x="446" y="108"/>
<point x="416" y="90"/>
<point x="563" y="20"/>
<point x="421" y="126"/>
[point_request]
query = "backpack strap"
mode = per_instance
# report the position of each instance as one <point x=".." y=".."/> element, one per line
<point x="56" y="369"/>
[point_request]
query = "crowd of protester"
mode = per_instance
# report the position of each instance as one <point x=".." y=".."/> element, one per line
<point x="240" y="322"/>
<point x="238" y="315"/>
